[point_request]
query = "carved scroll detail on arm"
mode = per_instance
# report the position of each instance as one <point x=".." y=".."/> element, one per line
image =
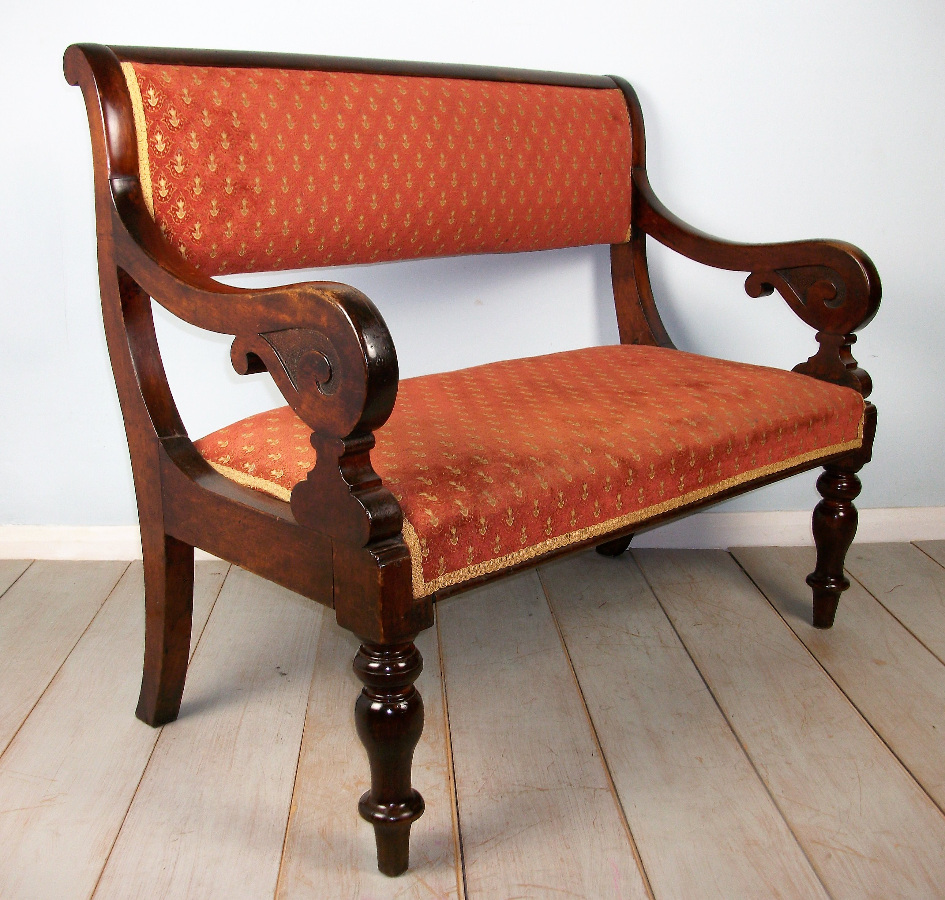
<point x="823" y="296"/>
<point x="809" y="290"/>
<point x="817" y="294"/>
<point x="325" y="387"/>
<point x="341" y="380"/>
<point x="325" y="345"/>
<point x="830" y="285"/>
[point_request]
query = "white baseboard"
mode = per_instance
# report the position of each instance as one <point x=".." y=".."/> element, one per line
<point x="714" y="530"/>
<point x="708" y="530"/>
<point x="73" y="542"/>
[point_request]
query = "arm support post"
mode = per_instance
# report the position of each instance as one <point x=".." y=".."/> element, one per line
<point x="834" y="288"/>
<point x="332" y="357"/>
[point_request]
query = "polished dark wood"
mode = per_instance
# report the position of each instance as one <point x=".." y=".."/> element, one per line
<point x="389" y="719"/>
<point x="638" y="319"/>
<point x="615" y="547"/>
<point x="831" y="286"/>
<point x="834" y="525"/>
<point x="240" y="59"/>
<point x="326" y="346"/>
<point x="169" y="607"/>
<point x="201" y="507"/>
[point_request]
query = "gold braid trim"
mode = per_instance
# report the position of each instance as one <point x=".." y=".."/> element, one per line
<point x="141" y="132"/>
<point x="421" y="587"/>
<point x="253" y="481"/>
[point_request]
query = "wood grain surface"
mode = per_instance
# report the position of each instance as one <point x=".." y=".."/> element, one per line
<point x="10" y="570"/>
<point x="865" y="824"/>
<point x="329" y="851"/>
<point x="537" y="813"/>
<point x="703" y="729"/>
<point x="674" y="760"/>
<point x="891" y="678"/>
<point x="42" y="616"/>
<point x="909" y="584"/>
<point x="209" y="817"/>
<point x="69" y="776"/>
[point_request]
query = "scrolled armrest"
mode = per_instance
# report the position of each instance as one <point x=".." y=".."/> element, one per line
<point x="327" y="348"/>
<point x="324" y="343"/>
<point x="832" y="286"/>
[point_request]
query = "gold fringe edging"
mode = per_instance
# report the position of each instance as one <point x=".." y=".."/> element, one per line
<point x="141" y="132"/>
<point x="253" y="481"/>
<point x="422" y="588"/>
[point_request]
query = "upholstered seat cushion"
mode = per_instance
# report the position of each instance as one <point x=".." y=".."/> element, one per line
<point x="503" y="462"/>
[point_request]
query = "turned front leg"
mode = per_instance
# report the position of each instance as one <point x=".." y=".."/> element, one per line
<point x="389" y="719"/>
<point x="834" y="525"/>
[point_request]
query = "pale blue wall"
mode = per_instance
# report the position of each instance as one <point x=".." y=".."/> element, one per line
<point x="765" y="121"/>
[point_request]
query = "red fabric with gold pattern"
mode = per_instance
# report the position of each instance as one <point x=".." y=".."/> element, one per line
<point x="503" y="462"/>
<point x="262" y="169"/>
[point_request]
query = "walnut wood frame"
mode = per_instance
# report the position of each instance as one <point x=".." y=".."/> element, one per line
<point x="339" y="540"/>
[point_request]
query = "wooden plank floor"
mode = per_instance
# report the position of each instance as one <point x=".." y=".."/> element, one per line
<point x="665" y="725"/>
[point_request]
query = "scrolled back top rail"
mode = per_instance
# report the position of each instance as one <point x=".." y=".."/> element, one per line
<point x="251" y="59"/>
<point x="262" y="162"/>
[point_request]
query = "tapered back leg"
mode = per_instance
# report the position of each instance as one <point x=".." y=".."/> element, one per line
<point x="169" y="603"/>
<point x="614" y="547"/>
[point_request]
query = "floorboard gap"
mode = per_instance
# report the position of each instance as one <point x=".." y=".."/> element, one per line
<point x="590" y="721"/>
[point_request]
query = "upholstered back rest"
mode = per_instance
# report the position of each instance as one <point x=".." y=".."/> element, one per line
<point x="248" y="169"/>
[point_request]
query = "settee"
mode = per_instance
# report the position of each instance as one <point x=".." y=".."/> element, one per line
<point x="375" y="495"/>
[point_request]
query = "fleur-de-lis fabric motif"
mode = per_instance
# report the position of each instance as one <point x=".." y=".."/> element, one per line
<point x="503" y="462"/>
<point x="325" y="168"/>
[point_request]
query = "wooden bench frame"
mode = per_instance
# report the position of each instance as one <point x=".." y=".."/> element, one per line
<point x="339" y="541"/>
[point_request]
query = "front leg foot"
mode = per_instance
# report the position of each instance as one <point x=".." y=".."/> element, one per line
<point x="834" y="525"/>
<point x="389" y="719"/>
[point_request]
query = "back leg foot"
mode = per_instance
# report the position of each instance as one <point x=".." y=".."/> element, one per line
<point x="614" y="547"/>
<point x="168" y="602"/>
